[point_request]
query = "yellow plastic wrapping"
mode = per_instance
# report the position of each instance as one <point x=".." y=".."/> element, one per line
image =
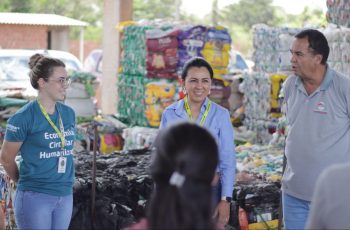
<point x="276" y="87"/>
<point x="158" y="95"/>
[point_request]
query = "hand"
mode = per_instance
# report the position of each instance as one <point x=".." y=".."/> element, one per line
<point x="222" y="212"/>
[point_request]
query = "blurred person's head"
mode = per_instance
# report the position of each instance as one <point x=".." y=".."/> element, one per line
<point x="183" y="167"/>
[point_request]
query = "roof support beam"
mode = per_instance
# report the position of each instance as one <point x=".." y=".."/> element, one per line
<point x="115" y="11"/>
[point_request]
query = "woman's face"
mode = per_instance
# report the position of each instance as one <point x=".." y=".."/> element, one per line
<point x="197" y="84"/>
<point x="57" y="83"/>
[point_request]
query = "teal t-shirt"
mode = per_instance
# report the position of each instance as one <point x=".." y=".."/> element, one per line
<point x="41" y="149"/>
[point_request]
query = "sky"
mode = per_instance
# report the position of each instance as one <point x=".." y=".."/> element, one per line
<point x="202" y="7"/>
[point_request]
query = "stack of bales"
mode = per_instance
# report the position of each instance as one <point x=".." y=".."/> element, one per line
<point x="216" y="50"/>
<point x="153" y="57"/>
<point x="257" y="87"/>
<point x="338" y="35"/>
<point x="339" y="44"/>
<point x="338" y="12"/>
<point x="271" y="48"/>
<point x="191" y="43"/>
<point x="262" y="88"/>
<point x="131" y="79"/>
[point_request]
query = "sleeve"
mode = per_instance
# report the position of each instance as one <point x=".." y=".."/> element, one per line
<point x="227" y="155"/>
<point x="286" y="93"/>
<point x="17" y="128"/>
<point x="74" y="121"/>
<point x="163" y="120"/>
<point x="317" y="211"/>
<point x="285" y="87"/>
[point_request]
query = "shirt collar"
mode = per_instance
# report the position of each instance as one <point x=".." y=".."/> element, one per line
<point x="180" y="107"/>
<point x="325" y="82"/>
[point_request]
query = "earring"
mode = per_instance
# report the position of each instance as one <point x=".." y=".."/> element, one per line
<point x="184" y="90"/>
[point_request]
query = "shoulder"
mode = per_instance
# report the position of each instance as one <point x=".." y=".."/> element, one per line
<point x="219" y="110"/>
<point x="65" y="109"/>
<point x="334" y="177"/>
<point x="335" y="171"/>
<point x="340" y="79"/>
<point x="21" y="122"/>
<point x="288" y="85"/>
<point x="174" y="106"/>
<point x="341" y="85"/>
<point x="24" y="113"/>
<point x="290" y="81"/>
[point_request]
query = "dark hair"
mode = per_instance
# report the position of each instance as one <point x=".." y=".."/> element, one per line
<point x="42" y="67"/>
<point x="196" y="62"/>
<point x="317" y="42"/>
<point x="191" y="151"/>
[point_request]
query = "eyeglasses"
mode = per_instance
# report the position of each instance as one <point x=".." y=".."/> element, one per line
<point x="63" y="81"/>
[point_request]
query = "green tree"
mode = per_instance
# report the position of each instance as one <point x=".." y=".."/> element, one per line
<point x="240" y="17"/>
<point x="153" y="9"/>
<point x="89" y="11"/>
<point x="309" y="17"/>
<point x="5" y="6"/>
<point x="85" y="10"/>
<point x="21" y="6"/>
<point x="250" y="12"/>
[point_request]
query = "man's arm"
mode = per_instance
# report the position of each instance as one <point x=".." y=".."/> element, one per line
<point x="8" y="154"/>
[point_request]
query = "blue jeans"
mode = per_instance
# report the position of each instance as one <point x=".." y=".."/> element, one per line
<point x="34" y="210"/>
<point x="295" y="212"/>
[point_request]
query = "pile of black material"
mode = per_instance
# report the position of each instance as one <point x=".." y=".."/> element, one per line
<point x="123" y="185"/>
<point x="260" y="200"/>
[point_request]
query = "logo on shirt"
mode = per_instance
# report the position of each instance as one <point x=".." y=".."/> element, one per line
<point x="12" y="128"/>
<point x="320" y="108"/>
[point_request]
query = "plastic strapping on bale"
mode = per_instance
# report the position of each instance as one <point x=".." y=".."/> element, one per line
<point x="339" y="45"/>
<point x="257" y="88"/>
<point x="338" y="12"/>
<point x="271" y="48"/>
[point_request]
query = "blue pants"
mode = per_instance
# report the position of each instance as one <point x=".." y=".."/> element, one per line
<point x="295" y="212"/>
<point x="35" y="210"/>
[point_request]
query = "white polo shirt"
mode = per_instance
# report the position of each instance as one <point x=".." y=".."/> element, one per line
<point x="319" y="131"/>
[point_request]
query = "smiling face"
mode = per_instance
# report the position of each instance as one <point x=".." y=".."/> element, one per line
<point x="197" y="84"/>
<point x="56" y="85"/>
<point x="304" y="61"/>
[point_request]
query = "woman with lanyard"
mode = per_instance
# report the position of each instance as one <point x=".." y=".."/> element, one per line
<point x="197" y="77"/>
<point x="42" y="132"/>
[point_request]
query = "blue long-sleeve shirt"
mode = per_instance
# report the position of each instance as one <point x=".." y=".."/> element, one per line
<point x="219" y="124"/>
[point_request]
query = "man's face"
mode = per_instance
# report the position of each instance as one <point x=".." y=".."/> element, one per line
<point x="304" y="62"/>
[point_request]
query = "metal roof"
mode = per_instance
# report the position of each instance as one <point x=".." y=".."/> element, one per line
<point x="39" y="19"/>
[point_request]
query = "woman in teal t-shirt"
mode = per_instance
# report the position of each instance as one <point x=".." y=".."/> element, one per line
<point x="42" y="132"/>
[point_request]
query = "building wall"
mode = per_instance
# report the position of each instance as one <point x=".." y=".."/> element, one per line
<point x="23" y="36"/>
<point x="88" y="47"/>
<point x="60" y="38"/>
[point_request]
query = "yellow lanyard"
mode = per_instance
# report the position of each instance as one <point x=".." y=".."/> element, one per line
<point x="189" y="113"/>
<point x="59" y="132"/>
